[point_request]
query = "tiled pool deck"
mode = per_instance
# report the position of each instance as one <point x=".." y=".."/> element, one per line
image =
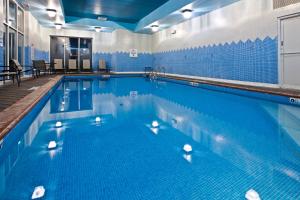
<point x="16" y="102"/>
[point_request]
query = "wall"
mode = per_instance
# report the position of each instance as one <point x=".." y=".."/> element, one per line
<point x="35" y="40"/>
<point x="237" y="42"/>
<point x="112" y="47"/>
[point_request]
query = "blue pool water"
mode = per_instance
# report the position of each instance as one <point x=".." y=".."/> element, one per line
<point x="239" y="143"/>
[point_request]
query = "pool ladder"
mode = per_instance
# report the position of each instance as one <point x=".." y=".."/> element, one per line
<point x="155" y="73"/>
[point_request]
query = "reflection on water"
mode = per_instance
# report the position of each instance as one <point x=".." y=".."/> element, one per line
<point x="254" y="142"/>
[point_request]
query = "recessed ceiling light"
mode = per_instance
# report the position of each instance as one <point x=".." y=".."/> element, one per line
<point x="58" y="26"/>
<point x="154" y="28"/>
<point x="51" y="12"/>
<point x="187" y="13"/>
<point x="102" y="18"/>
<point x="97" y="29"/>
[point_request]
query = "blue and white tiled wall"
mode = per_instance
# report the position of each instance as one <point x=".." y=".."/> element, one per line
<point x="38" y="55"/>
<point x="121" y="62"/>
<point x="253" y="61"/>
<point x="101" y="56"/>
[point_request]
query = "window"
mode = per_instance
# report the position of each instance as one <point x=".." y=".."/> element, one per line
<point x="2" y="48"/>
<point x="12" y="44"/>
<point x="4" y="9"/>
<point x="20" y="20"/>
<point x="20" y="48"/>
<point x="12" y="38"/>
<point x="12" y="19"/>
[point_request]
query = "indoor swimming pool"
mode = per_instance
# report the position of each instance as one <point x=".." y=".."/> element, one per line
<point x="136" y="138"/>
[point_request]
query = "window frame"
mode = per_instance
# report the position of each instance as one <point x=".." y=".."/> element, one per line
<point x="7" y="27"/>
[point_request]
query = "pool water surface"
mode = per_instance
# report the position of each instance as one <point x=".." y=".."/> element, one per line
<point x="134" y="150"/>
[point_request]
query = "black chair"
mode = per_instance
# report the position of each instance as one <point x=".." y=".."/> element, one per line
<point x="41" y="66"/>
<point x="6" y="73"/>
<point x="15" y="66"/>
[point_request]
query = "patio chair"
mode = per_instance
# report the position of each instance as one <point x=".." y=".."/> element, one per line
<point x="7" y="72"/>
<point x="86" y="64"/>
<point x="40" y="66"/>
<point x="58" y="65"/>
<point x="15" y="66"/>
<point x="72" y="65"/>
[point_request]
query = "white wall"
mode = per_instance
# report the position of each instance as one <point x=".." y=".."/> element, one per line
<point x="243" y="20"/>
<point x="119" y="40"/>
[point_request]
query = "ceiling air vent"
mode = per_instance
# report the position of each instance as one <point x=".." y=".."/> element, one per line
<point x="283" y="3"/>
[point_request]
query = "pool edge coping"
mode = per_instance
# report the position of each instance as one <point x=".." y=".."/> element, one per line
<point x="12" y="115"/>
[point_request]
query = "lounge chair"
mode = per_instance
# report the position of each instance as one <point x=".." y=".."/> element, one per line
<point x="58" y="65"/>
<point x="15" y="66"/>
<point x="103" y="67"/>
<point x="40" y="66"/>
<point x="86" y="64"/>
<point x="72" y="65"/>
<point x="7" y="72"/>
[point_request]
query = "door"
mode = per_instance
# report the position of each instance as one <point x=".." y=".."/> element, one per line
<point x="290" y="52"/>
<point x="71" y="53"/>
<point x="85" y="54"/>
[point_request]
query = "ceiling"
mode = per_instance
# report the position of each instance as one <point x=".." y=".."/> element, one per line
<point x="133" y="15"/>
<point x="128" y="11"/>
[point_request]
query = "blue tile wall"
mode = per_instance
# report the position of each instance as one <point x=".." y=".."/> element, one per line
<point x="38" y="55"/>
<point x="41" y="55"/>
<point x="122" y="62"/>
<point x="28" y="55"/>
<point x="254" y="61"/>
<point x="101" y="56"/>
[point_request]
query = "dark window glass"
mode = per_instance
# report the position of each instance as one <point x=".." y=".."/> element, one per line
<point x="12" y="44"/>
<point x="20" y="48"/>
<point x="12" y="20"/>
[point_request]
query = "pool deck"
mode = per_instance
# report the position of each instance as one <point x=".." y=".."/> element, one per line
<point x="268" y="90"/>
<point x="16" y="102"/>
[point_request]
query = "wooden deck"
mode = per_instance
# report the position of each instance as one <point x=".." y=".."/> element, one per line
<point x="16" y="102"/>
<point x="11" y="93"/>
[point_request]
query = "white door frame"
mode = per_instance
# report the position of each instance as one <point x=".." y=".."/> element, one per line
<point x="280" y="60"/>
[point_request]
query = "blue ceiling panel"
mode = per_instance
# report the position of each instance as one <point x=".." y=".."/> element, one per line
<point x="128" y="11"/>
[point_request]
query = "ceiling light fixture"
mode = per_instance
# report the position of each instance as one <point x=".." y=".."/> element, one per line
<point x="102" y="18"/>
<point x="58" y="26"/>
<point x="97" y="29"/>
<point x="154" y="28"/>
<point x="187" y="13"/>
<point x="51" y="12"/>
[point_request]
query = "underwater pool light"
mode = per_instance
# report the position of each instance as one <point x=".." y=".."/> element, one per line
<point x="187" y="148"/>
<point x="155" y="124"/>
<point x="58" y="124"/>
<point x="98" y="119"/>
<point x="52" y="145"/>
<point x="38" y="192"/>
<point x="252" y="195"/>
